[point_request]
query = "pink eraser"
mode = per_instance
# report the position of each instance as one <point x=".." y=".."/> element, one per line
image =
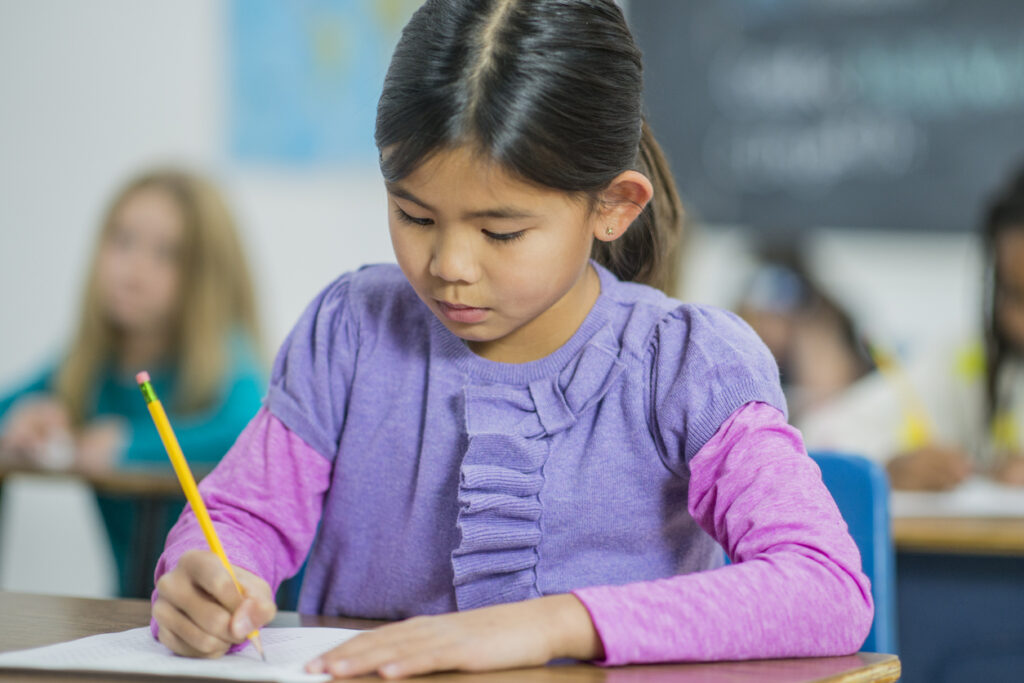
<point x="142" y="377"/>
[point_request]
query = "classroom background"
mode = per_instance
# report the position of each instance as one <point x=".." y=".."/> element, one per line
<point x="93" y="92"/>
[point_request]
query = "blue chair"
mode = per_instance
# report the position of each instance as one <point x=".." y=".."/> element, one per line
<point x="861" y="491"/>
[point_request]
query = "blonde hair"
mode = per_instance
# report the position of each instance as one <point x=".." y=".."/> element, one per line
<point x="216" y="298"/>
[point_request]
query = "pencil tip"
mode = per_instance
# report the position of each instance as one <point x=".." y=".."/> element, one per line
<point x="259" y="647"/>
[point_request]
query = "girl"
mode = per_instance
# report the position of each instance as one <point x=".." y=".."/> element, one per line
<point x="168" y="287"/>
<point x="973" y="393"/>
<point x="811" y="336"/>
<point x="504" y="431"/>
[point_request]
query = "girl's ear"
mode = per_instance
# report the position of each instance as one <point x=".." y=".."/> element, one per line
<point x="620" y="203"/>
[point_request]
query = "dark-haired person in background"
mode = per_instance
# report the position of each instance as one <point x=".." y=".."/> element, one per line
<point x="973" y="392"/>
<point x="813" y="338"/>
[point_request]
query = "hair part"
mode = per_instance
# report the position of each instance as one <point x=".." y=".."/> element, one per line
<point x="552" y="90"/>
<point x="216" y="299"/>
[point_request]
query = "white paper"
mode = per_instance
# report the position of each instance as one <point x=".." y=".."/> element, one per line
<point x="135" y="651"/>
<point x="976" y="497"/>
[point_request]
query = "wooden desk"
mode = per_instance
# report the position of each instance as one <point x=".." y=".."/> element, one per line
<point x="977" y="535"/>
<point x="152" y="483"/>
<point x="35" y="620"/>
<point x="960" y="593"/>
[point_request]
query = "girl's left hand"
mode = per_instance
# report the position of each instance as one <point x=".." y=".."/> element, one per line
<point x="529" y="633"/>
<point x="99" y="444"/>
<point x="1010" y="471"/>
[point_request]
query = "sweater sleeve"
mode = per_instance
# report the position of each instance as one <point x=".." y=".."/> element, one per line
<point x="705" y="363"/>
<point x="265" y="499"/>
<point x="795" y="589"/>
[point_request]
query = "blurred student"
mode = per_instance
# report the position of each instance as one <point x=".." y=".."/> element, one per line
<point x="814" y="340"/>
<point x="168" y="291"/>
<point x="970" y="395"/>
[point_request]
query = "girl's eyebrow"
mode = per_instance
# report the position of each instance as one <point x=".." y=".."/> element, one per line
<point x="500" y="212"/>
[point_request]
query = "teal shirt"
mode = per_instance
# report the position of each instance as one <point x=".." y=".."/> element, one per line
<point x="204" y="437"/>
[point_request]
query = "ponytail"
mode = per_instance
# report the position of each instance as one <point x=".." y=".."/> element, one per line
<point x="650" y="251"/>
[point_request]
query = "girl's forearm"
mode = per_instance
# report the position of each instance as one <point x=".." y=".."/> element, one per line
<point x="571" y="631"/>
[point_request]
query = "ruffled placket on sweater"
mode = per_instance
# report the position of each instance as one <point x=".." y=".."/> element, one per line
<point x="510" y="430"/>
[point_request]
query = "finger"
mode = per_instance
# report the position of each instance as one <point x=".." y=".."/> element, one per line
<point x="18" y="438"/>
<point x="174" y="643"/>
<point x="935" y="477"/>
<point x="418" y="664"/>
<point x="251" y="615"/>
<point x="183" y="635"/>
<point x="207" y="572"/>
<point x="954" y="470"/>
<point x="368" y="661"/>
<point x="407" y="631"/>
<point x="254" y="586"/>
<point x="179" y="592"/>
<point x="369" y="656"/>
<point x="955" y="461"/>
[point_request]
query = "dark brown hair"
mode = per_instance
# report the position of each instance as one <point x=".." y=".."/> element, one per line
<point x="1005" y="212"/>
<point x="550" y="89"/>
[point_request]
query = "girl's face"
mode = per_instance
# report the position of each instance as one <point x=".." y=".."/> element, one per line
<point x="502" y="263"/>
<point x="139" y="273"/>
<point x="1010" y="285"/>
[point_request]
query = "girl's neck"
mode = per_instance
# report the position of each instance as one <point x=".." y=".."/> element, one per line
<point x="549" y="331"/>
<point x="141" y="350"/>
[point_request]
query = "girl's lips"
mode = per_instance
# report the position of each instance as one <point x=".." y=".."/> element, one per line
<point x="462" y="314"/>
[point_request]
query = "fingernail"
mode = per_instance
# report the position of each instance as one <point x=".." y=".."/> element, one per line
<point x="315" y="667"/>
<point x="339" y="668"/>
<point x="389" y="671"/>
<point x="243" y="627"/>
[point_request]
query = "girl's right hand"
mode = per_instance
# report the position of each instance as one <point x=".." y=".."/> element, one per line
<point x="31" y="425"/>
<point x="932" y="468"/>
<point x="199" y="611"/>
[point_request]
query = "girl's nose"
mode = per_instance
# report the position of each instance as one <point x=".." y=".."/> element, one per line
<point x="453" y="260"/>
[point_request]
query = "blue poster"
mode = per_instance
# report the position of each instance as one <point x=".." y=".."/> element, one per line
<point x="304" y="78"/>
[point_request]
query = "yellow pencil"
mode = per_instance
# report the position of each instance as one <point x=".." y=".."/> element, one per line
<point x="917" y="427"/>
<point x="188" y="485"/>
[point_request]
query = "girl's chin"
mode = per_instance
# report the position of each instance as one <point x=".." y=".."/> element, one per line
<point x="467" y="334"/>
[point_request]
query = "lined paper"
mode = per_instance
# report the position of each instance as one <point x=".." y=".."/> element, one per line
<point x="136" y="651"/>
<point x="975" y="497"/>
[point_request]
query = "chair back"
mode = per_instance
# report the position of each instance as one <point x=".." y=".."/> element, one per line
<point x="860" y="488"/>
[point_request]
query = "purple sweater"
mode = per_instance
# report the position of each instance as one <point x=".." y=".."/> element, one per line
<point x="612" y="468"/>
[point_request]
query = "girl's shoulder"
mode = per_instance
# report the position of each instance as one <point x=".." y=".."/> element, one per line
<point x="368" y="299"/>
<point x="700" y="364"/>
<point x="656" y="324"/>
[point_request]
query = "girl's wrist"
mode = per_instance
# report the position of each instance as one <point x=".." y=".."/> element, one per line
<point x="572" y="631"/>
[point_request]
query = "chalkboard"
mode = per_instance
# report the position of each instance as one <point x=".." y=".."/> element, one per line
<point x="790" y="114"/>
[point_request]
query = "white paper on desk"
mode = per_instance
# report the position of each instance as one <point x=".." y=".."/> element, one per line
<point x="135" y="651"/>
<point x="975" y="497"/>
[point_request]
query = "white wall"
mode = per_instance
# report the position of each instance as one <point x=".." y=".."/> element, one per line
<point x="90" y="92"/>
<point x="906" y="289"/>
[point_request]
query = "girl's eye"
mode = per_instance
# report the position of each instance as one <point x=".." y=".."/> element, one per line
<point x="505" y="237"/>
<point x="406" y="218"/>
<point x="167" y="253"/>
